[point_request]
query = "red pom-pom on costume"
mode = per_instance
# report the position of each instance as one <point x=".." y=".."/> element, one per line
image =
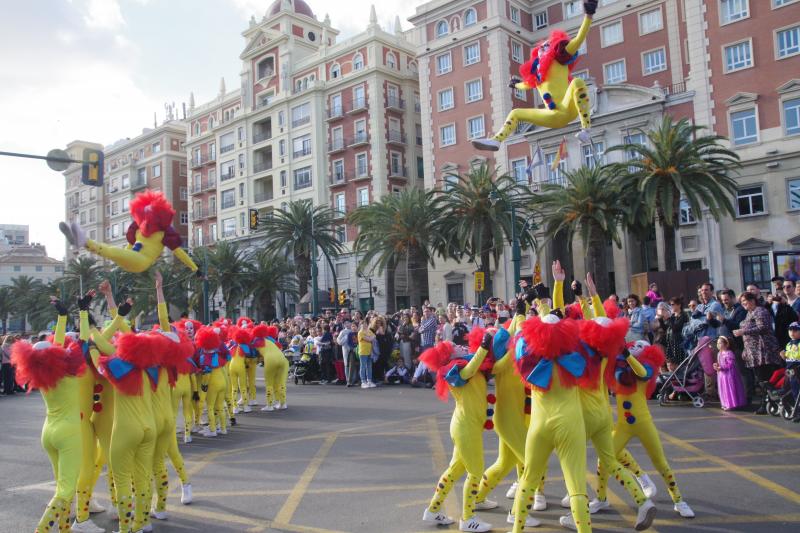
<point x="574" y="311"/>
<point x="42" y="368"/>
<point x="152" y="212"/>
<point x="244" y="322"/>
<point x="264" y="331"/>
<point x="97" y="407"/>
<point x="207" y="339"/>
<point x="488" y="425"/>
<point x="611" y="307"/>
<point x="98" y="388"/>
<point x="491" y="398"/>
<point x="548" y="341"/>
<point x="242" y="336"/>
<point x="556" y="40"/>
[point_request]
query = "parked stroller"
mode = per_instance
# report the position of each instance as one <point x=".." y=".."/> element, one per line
<point x="304" y="367"/>
<point x="689" y="376"/>
<point x="779" y="396"/>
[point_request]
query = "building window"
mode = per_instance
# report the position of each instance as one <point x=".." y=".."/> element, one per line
<point x="442" y="28"/>
<point x="444" y="63"/>
<point x="301" y="114"/>
<point x="540" y="20"/>
<point x="654" y="61"/>
<point x="156" y="147"/>
<point x="228" y="198"/>
<point x="615" y="72"/>
<point x="114" y="207"/>
<point x="361" y="165"/>
<point x="582" y="74"/>
<point x="591" y="158"/>
<point x="228" y="170"/>
<point x="281" y="148"/>
<point x="302" y="178"/>
<point x="342" y="270"/>
<point x="115" y="231"/>
<point x="126" y="182"/>
<point x="301" y="146"/>
<point x="358" y="62"/>
<point x="391" y="62"/>
<point x="359" y="97"/>
<point x="184" y="217"/>
<point x="472" y="54"/>
<point x="126" y="205"/>
<point x="611" y="33"/>
<point x="750" y="201"/>
<point x="446" y="99"/>
<point x="738" y="56"/>
<point x="229" y="227"/>
<point x="794" y="193"/>
<point x="362" y="197"/>
<point x="514" y="14"/>
<point x="743" y="125"/>
<point x="341" y="208"/>
<point x="473" y="90"/>
<point x="733" y="10"/>
<point x="396" y="164"/>
<point x="780" y="3"/>
<point x="470" y="17"/>
<point x="520" y="94"/>
<point x="341" y="234"/>
<point x="447" y="135"/>
<point x="336" y="71"/>
<point x="266" y="68"/>
<point x="686" y="213"/>
<point x="572" y="8"/>
<point x="788" y="42"/>
<point x="283" y="178"/>
<point x="791" y="116"/>
<point x="650" y="21"/>
<point x="475" y="129"/>
<point x="519" y="169"/>
<point x="157" y="171"/>
<point x="554" y="176"/>
<point x="516" y="52"/>
<point x="756" y="271"/>
<point x="338" y="171"/>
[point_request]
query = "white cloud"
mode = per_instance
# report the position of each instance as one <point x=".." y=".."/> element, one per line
<point x="104" y="15"/>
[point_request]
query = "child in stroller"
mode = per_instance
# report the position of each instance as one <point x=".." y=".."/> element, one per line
<point x="790" y="399"/>
<point x="304" y="367"/>
<point x="688" y="378"/>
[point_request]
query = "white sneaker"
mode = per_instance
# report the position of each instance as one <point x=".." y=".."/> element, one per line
<point x="267" y="408"/>
<point x="247" y="409"/>
<point x="684" y="510"/>
<point x="648" y="487"/>
<point x="223" y="431"/>
<point x="240" y="402"/>
<point x="252" y="403"/>
<point x="486" y="144"/>
<point x="236" y="410"/>
<point x="473" y="524"/>
<point x="282" y="406"/>
<point x="440" y="519"/>
<point x="365" y="385"/>
<point x="371" y="385"/>
<point x="208" y="433"/>
<point x="146" y="529"/>
<point x="197" y="429"/>
<point x="276" y="404"/>
<point x="584" y="136"/>
<point x="565" y="502"/>
<point x="95" y="507"/>
<point x="511" y="493"/>
<point x="203" y="421"/>
<point x="485" y="505"/>
<point x="187" y="438"/>
<point x="67" y="231"/>
<point x="78" y="234"/>
<point x="646" y="515"/>
<point x="598" y="505"/>
<point x="529" y="522"/>
<point x="87" y="526"/>
<point x="186" y="494"/>
<point x="158" y="515"/>
<point x="567" y="522"/>
<point x="539" y="502"/>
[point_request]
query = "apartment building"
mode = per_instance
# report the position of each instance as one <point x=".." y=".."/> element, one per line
<point x="337" y="123"/>
<point x="13" y="235"/>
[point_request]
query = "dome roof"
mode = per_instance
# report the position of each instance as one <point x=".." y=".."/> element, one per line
<point x="299" y="6"/>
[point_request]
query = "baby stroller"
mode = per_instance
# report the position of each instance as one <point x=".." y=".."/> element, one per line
<point x="778" y="393"/>
<point x="304" y="367"/>
<point x="790" y="401"/>
<point x="689" y="376"/>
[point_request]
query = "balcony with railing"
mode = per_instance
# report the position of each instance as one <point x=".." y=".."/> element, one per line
<point x="262" y="160"/>
<point x="262" y="131"/>
<point x="302" y="121"/>
<point x="396" y="137"/>
<point x="397" y="171"/>
<point x="358" y="104"/>
<point x="227" y="148"/>
<point x="340" y="177"/>
<point x="339" y="214"/>
<point x="336" y="145"/>
<point x="201" y="213"/>
<point x="360" y="138"/>
<point x="306" y="150"/>
<point x="228" y="174"/>
<point x="262" y="190"/>
<point x="336" y="112"/>
<point x="138" y="183"/>
<point x="210" y="184"/>
<point x="395" y="102"/>
<point x="196" y="188"/>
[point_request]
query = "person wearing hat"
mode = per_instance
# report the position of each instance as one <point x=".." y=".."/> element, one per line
<point x="475" y="319"/>
<point x="792" y="356"/>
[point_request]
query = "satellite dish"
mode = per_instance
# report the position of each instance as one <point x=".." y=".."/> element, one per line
<point x="58" y="160"/>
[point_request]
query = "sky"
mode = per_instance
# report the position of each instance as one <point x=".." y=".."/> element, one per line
<point x="97" y="70"/>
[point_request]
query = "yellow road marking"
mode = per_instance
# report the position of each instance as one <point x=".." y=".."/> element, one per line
<point x="692" y="458"/>
<point x="759" y="423"/>
<point x="738" y="439"/>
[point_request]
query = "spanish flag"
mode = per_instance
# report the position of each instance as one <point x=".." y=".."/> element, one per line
<point x="560" y="154"/>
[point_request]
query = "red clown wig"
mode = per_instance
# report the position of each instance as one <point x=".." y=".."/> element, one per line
<point x="152" y="212"/>
<point x="44" y="365"/>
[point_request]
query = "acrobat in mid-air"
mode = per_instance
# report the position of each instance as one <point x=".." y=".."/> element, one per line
<point x="148" y="234"/>
<point x="549" y="71"/>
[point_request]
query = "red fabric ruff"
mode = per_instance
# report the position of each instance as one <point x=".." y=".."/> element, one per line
<point x="152" y="212"/>
<point x="475" y="337"/>
<point x="574" y="311"/>
<point x="611" y="307"/>
<point x="548" y="341"/>
<point x="607" y="342"/>
<point x="489" y="425"/>
<point x="142" y="350"/>
<point x="41" y="369"/>
<point x="207" y="339"/>
<point x="130" y="384"/>
<point x="244" y="322"/>
<point x="556" y="38"/>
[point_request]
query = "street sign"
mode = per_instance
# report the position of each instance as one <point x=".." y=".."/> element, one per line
<point x="480" y="282"/>
<point x="58" y="160"/>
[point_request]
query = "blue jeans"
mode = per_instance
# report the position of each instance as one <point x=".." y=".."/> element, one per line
<point x="365" y="373"/>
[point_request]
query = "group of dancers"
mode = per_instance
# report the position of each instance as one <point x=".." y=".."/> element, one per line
<point x="552" y="370"/>
<point x="113" y="396"/>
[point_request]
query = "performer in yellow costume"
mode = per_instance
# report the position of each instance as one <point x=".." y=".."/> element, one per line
<point x="250" y="360"/>
<point x="148" y="234"/>
<point x="547" y="356"/>
<point x="464" y="376"/>
<point x="185" y="382"/>
<point x="54" y="371"/>
<point x="548" y="70"/>
<point x="633" y="380"/>
<point x="276" y="366"/>
<point x="239" y="347"/>
<point x="210" y="359"/>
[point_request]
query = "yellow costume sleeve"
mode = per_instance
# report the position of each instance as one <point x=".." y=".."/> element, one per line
<point x="474" y="364"/>
<point x="542" y="307"/>
<point x="576" y="43"/>
<point x="84" y="325"/>
<point x="636" y="366"/>
<point x="61" y="329"/>
<point x="597" y="306"/>
<point x="515" y="323"/>
<point x="184" y="258"/>
<point x="163" y="317"/>
<point x="558" y="295"/>
<point x="585" y="308"/>
<point x="124" y="325"/>
<point x="103" y="345"/>
<point x="522" y="86"/>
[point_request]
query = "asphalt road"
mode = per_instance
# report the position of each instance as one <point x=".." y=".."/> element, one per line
<point x="353" y="460"/>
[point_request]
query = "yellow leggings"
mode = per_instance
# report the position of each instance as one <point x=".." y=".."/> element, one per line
<point x="182" y="394"/>
<point x="215" y="399"/>
<point x="275" y="374"/>
<point x="575" y="103"/>
<point x="238" y="374"/>
<point x="468" y="458"/>
<point x="505" y="463"/>
<point x="89" y="449"/>
<point x="228" y="391"/>
<point x="250" y="366"/>
<point x="62" y="442"/>
<point x="127" y="259"/>
<point x="602" y="438"/>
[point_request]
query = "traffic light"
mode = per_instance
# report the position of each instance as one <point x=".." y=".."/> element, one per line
<point x="331" y="295"/>
<point x="93" y="167"/>
<point x="342" y="297"/>
<point x="253" y="219"/>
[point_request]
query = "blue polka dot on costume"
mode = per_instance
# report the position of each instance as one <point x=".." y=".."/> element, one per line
<point x="627" y="404"/>
<point x="631" y="419"/>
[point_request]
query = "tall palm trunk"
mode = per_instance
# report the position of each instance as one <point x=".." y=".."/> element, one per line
<point x="303" y="265"/>
<point x="486" y="262"/>
<point x="418" y="277"/>
<point x="670" y="258"/>
<point x="596" y="262"/>
<point x="391" y="274"/>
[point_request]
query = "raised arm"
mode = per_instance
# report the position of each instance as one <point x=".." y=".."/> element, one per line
<point x="638" y="368"/>
<point x="184" y="258"/>
<point x="83" y="306"/>
<point x="558" y="285"/>
<point x="476" y="362"/>
<point x="597" y="303"/>
<point x="163" y="313"/>
<point x="589" y="7"/>
<point x="61" y="322"/>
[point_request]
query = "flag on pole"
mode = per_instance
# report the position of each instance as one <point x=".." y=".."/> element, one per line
<point x="536" y="161"/>
<point x="560" y="154"/>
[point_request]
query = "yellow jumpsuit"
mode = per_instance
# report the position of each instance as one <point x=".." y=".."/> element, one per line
<point x="182" y="395"/>
<point x="149" y="250"/>
<point x="213" y="381"/>
<point x="466" y="430"/>
<point x="238" y="374"/>
<point x="570" y="99"/>
<point x="276" y="372"/>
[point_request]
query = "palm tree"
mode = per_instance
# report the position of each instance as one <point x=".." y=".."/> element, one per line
<point x="268" y="274"/>
<point x="677" y="163"/>
<point x="475" y="217"/>
<point x="24" y="290"/>
<point x="295" y="229"/>
<point x="590" y="206"/>
<point x="398" y="227"/>
<point x="82" y="272"/>
<point x="227" y="264"/>
<point x="6" y="306"/>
